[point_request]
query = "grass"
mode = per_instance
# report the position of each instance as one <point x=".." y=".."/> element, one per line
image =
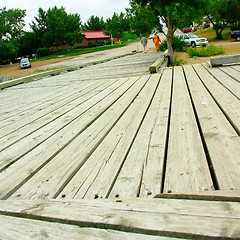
<point x="208" y="51"/>
<point x="210" y="34"/>
<point x="75" y="52"/>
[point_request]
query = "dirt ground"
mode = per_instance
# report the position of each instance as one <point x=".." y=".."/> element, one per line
<point x="230" y="46"/>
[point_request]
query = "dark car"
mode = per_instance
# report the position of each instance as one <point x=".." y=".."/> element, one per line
<point x="24" y="63"/>
<point x="235" y="35"/>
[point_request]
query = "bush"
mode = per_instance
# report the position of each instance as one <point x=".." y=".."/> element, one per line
<point x="178" y="45"/>
<point x="234" y="27"/>
<point x="129" y="36"/>
<point x="92" y="44"/>
<point x="208" y="51"/>
<point x="41" y="52"/>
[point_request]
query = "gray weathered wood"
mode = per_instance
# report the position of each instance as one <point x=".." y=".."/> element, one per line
<point x="12" y="228"/>
<point x="218" y="61"/>
<point x="160" y="217"/>
<point x="157" y="64"/>
<point x="221" y="139"/>
<point x="186" y="166"/>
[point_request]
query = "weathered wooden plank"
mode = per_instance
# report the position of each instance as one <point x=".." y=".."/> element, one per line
<point x="143" y="165"/>
<point x="22" y="125"/>
<point x="111" y="153"/>
<point x="29" y="110"/>
<point x="28" y="97"/>
<point x="218" y="61"/>
<point x="157" y="64"/>
<point x="228" y="82"/>
<point x="13" y="228"/>
<point x="68" y="109"/>
<point x="127" y="127"/>
<point x="219" y="195"/>
<point x="232" y="72"/>
<point x="237" y="67"/>
<point x="160" y="217"/>
<point x="44" y="129"/>
<point x="229" y="104"/>
<point x="221" y="139"/>
<point x="186" y="165"/>
<point x="72" y="143"/>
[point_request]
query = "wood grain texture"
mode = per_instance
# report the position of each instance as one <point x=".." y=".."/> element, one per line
<point x="160" y="217"/>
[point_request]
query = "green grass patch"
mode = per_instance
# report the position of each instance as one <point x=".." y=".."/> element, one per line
<point x="74" y="52"/>
<point x="210" y="34"/>
<point x="208" y="51"/>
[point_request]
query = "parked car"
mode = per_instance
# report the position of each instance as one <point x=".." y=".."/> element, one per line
<point x="24" y="63"/>
<point x="185" y="30"/>
<point x="235" y="35"/>
<point x="193" y="40"/>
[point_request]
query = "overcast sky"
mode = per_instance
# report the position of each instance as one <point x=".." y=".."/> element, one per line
<point x="86" y="8"/>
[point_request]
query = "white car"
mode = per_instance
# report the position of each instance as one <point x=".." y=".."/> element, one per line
<point x="24" y="63"/>
<point x="193" y="40"/>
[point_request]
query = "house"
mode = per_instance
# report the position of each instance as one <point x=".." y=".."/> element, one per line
<point x="93" y="36"/>
<point x="90" y="36"/>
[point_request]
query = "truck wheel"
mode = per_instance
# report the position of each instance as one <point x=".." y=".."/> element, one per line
<point x="238" y="38"/>
<point x="193" y="44"/>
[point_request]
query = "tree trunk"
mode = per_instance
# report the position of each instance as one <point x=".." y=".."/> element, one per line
<point x="169" y="40"/>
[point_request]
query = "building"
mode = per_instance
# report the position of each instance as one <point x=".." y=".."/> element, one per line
<point x="93" y="36"/>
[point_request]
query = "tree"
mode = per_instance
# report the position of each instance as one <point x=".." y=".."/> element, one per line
<point x="221" y="13"/>
<point x="117" y="25"/>
<point x="11" y="25"/>
<point x="56" y="27"/>
<point x="142" y="20"/>
<point x="172" y="14"/>
<point x="94" y="23"/>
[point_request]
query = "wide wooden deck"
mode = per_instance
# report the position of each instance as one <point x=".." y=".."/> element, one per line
<point x="123" y="134"/>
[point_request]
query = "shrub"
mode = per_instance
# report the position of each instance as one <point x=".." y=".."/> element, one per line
<point x="41" y="52"/>
<point x="92" y="44"/>
<point x="178" y="45"/>
<point x="208" y="51"/>
<point x="234" y="27"/>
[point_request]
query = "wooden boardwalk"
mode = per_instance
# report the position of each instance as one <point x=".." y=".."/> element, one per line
<point x="111" y="132"/>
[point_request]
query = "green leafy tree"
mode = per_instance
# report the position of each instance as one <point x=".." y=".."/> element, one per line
<point x="117" y="25"/>
<point x="28" y="44"/>
<point x="221" y="13"/>
<point x="94" y="23"/>
<point x="142" y="19"/>
<point x="39" y="27"/>
<point x="11" y="25"/>
<point x="173" y="14"/>
<point x="55" y="27"/>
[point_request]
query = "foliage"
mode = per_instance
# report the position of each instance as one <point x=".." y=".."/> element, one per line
<point x="178" y="45"/>
<point x="117" y="25"/>
<point x="96" y="44"/>
<point x="94" y="23"/>
<point x="11" y="25"/>
<point x="129" y="36"/>
<point x="234" y="27"/>
<point x="142" y="19"/>
<point x="55" y="27"/>
<point x="28" y="44"/>
<point x="208" y="51"/>
<point x="174" y="14"/>
<point x="210" y="34"/>
<point x="221" y="13"/>
<point x="41" y="52"/>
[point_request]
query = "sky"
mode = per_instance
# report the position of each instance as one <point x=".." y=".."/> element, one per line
<point x="86" y="8"/>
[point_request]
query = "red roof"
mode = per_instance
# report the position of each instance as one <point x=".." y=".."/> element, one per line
<point x="95" y="34"/>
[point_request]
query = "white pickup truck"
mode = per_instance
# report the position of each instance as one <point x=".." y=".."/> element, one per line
<point x="193" y="40"/>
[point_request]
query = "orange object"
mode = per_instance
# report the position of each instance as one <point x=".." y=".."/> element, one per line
<point x="156" y="41"/>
